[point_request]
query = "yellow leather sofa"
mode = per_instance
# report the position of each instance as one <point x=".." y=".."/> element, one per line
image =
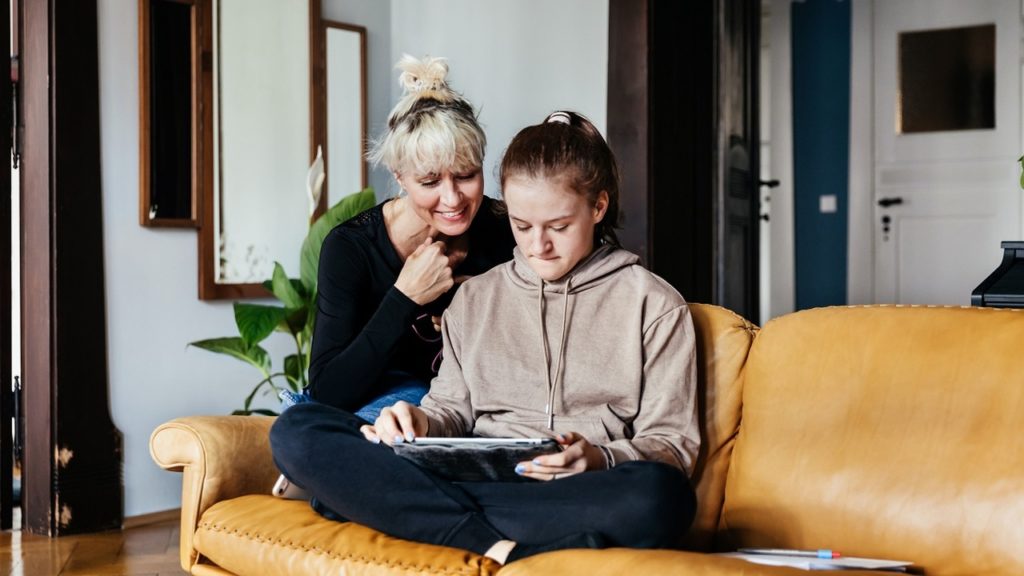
<point x="880" y="431"/>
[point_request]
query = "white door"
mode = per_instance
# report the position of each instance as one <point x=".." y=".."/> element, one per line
<point x="944" y="198"/>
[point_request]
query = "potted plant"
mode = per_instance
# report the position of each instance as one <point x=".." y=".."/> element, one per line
<point x="297" y="312"/>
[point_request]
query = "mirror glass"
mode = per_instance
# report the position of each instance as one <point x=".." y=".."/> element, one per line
<point x="262" y="137"/>
<point x="345" y="95"/>
<point x="168" y="163"/>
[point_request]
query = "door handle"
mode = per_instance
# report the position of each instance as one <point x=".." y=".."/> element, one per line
<point x="768" y="183"/>
<point x="886" y="202"/>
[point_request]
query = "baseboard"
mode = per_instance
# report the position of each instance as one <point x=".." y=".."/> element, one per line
<point x="151" y="518"/>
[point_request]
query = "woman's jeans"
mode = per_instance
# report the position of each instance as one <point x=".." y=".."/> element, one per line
<point x="397" y="385"/>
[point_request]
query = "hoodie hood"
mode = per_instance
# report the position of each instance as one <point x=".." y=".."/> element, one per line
<point x="597" y="268"/>
<point x="593" y="270"/>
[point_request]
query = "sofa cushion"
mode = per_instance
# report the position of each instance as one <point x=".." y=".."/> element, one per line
<point x="261" y="534"/>
<point x="723" y="342"/>
<point x="885" y="431"/>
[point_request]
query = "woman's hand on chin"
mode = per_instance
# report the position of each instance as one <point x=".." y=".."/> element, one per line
<point x="427" y="272"/>
<point x="577" y="455"/>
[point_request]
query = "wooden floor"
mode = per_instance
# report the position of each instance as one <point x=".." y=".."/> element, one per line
<point x="147" y="550"/>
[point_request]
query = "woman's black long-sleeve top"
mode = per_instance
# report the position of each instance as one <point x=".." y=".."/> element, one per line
<point x="364" y="325"/>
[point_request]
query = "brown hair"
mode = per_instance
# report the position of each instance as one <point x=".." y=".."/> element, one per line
<point x="566" y="145"/>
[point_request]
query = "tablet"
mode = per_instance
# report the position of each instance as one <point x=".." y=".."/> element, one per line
<point x="475" y="459"/>
<point x="480" y="441"/>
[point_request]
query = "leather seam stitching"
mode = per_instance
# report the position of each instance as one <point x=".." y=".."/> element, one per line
<point x="335" y="556"/>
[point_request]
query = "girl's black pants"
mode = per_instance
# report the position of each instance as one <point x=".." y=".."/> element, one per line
<point x="320" y="448"/>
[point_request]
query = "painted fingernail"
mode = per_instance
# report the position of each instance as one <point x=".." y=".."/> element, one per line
<point x="375" y="439"/>
<point x="561" y="436"/>
<point x="398" y="439"/>
<point x="409" y="436"/>
<point x="520" y="468"/>
<point x="536" y="461"/>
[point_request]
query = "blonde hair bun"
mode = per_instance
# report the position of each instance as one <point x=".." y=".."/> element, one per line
<point x="432" y="128"/>
<point x="425" y="78"/>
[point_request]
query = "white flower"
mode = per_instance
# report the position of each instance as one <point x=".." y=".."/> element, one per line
<point x="315" y="181"/>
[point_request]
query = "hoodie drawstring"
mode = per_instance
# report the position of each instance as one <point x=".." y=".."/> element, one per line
<point x="550" y="409"/>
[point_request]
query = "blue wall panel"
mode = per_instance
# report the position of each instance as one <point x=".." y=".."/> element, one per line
<point x="821" y="135"/>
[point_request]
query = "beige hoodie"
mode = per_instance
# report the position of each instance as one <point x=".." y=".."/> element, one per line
<point x="617" y="348"/>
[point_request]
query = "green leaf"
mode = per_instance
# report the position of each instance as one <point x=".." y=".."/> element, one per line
<point x="349" y="206"/>
<point x="296" y="283"/>
<point x="283" y="289"/>
<point x="295" y="320"/>
<point x="300" y="288"/>
<point x="237" y="348"/>
<point x="255" y="321"/>
<point x="307" y="330"/>
<point x="293" y="368"/>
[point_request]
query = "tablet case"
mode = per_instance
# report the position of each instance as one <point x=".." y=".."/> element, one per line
<point x="473" y="463"/>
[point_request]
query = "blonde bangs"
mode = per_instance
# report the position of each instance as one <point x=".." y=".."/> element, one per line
<point x="438" y="142"/>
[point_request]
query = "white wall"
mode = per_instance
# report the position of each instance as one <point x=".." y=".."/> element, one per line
<point x="783" y="268"/>
<point x="860" y="267"/>
<point x="151" y="280"/>
<point x="514" y="66"/>
<point x="515" y="60"/>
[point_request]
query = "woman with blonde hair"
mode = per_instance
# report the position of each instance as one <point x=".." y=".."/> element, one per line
<point x="386" y="274"/>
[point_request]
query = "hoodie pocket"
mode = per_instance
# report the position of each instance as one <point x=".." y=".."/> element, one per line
<point x="601" y="426"/>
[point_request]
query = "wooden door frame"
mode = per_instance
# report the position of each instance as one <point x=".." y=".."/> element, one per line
<point x="73" y="454"/>
<point x="660" y="126"/>
<point x="6" y="299"/>
<point x="662" y="111"/>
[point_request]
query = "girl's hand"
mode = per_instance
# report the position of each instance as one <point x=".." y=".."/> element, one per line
<point x="402" y="422"/>
<point x="427" y="272"/>
<point x="578" y="455"/>
<point x="370" y="433"/>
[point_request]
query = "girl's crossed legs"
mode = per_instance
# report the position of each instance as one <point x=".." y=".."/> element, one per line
<point x="635" y="504"/>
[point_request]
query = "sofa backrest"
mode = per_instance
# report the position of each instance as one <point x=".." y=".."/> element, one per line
<point x="885" y="431"/>
<point x="723" y="341"/>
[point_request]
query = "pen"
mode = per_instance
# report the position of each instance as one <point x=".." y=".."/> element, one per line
<point x="821" y="553"/>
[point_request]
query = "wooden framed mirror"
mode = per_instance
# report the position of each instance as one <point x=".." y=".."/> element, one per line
<point x="269" y="82"/>
<point x="339" y="108"/>
<point x="174" y="40"/>
<point x="256" y="212"/>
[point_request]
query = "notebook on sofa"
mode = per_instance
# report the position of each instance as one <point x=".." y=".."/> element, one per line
<point x="805" y="562"/>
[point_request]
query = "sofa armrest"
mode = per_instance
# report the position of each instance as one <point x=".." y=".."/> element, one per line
<point x="220" y="457"/>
